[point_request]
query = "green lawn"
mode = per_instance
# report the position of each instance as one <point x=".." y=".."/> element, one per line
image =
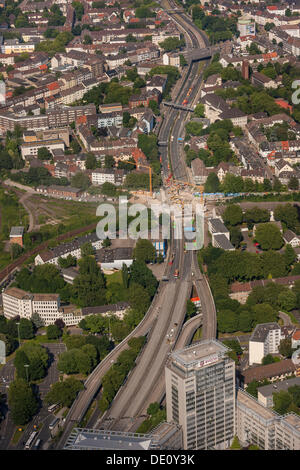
<point x="115" y="277"/>
<point x="18" y="434"/>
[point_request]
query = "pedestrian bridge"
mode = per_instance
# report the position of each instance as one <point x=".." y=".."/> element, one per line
<point x="171" y="104"/>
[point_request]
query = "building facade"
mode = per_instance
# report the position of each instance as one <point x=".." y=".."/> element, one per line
<point x="200" y="395"/>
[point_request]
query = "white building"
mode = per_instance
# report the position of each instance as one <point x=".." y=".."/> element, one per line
<point x="264" y="340"/>
<point x="73" y="248"/>
<point x="18" y="302"/>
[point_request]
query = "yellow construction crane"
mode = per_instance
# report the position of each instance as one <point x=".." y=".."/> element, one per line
<point x="150" y="173"/>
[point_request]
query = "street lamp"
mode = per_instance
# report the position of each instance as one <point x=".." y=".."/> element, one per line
<point x="26" y="368"/>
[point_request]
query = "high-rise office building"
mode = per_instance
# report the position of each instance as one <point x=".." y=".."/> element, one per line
<point x="200" y="394"/>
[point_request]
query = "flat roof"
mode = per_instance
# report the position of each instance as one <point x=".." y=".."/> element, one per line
<point x="16" y="231"/>
<point x="200" y="353"/>
<point x="109" y="440"/>
<point x="252" y="404"/>
<point x="268" y="390"/>
<point x="262" y="330"/>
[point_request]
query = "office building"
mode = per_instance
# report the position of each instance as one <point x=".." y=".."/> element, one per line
<point x="256" y="424"/>
<point x="200" y="395"/>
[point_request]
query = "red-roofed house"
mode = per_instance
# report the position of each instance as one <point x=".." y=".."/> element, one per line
<point x="81" y="120"/>
<point x="284" y="104"/>
<point x="296" y="339"/>
<point x="53" y="87"/>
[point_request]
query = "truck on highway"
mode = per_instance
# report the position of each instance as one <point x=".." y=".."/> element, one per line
<point x="176" y="274"/>
<point x="180" y="139"/>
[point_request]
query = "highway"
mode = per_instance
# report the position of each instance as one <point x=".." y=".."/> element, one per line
<point x="145" y="383"/>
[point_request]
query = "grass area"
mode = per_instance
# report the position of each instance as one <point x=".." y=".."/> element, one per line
<point x="40" y="339"/>
<point x="151" y="422"/>
<point x="17" y="435"/>
<point x="88" y="414"/>
<point x="197" y="335"/>
<point x="115" y="277"/>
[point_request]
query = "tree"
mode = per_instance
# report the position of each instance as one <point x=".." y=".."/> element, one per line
<point x="194" y="128"/>
<point x="44" y="154"/>
<point x="289" y="254"/>
<point x="87" y="249"/>
<point x="64" y="392"/>
<point x="22" y="402"/>
<point x="36" y="320"/>
<point x="67" y="262"/>
<point x="287" y="300"/>
<point x="212" y="184"/>
<point x="26" y="329"/>
<point x="235" y="444"/>
<point x="282" y="400"/>
<point x="125" y="276"/>
<point x="109" y="161"/>
<point x="269" y="237"/>
<point x="252" y="388"/>
<point x="264" y="313"/>
<point x="81" y="181"/>
<point x="153" y="408"/>
<point x="53" y="332"/>
<point x="285" y="347"/>
<point x="89" y="285"/>
<point x="15" y="250"/>
<point x="227" y="321"/>
<point x="144" y="251"/>
<point x="233" y="215"/>
<point x="91" y="162"/>
<point x="191" y="309"/>
<point x="294" y="391"/>
<point x="171" y="44"/>
<point x="199" y="110"/>
<point x="236" y="236"/>
<point x="287" y="214"/>
<point x="141" y="274"/>
<point x="293" y="183"/>
<point x="268" y="359"/>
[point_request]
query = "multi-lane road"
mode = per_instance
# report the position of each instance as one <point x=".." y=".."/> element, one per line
<point x="164" y="319"/>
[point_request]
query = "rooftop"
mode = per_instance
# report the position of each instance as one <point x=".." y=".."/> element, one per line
<point x="200" y="354"/>
<point x="16" y="232"/>
<point x="81" y="439"/>
<point x="268" y="390"/>
<point x="262" y="330"/>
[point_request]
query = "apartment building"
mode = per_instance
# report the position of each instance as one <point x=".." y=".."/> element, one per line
<point x="220" y="234"/>
<point x="106" y="175"/>
<point x="110" y="119"/>
<point x="264" y="340"/>
<point x="200" y="395"/>
<point x="60" y="116"/>
<point x="73" y="248"/>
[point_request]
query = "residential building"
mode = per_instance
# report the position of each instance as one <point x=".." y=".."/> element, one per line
<point x="72" y="248"/>
<point x="264" y="340"/>
<point x="291" y="238"/>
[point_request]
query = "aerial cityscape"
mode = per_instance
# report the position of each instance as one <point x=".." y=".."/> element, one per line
<point x="149" y="226"/>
